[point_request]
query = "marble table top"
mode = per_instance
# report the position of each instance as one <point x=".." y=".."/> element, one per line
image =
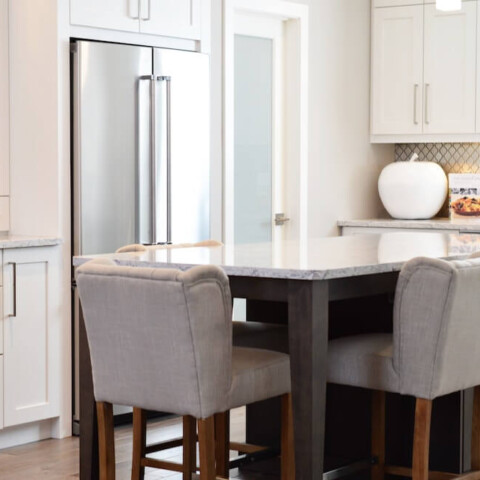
<point x="317" y="259"/>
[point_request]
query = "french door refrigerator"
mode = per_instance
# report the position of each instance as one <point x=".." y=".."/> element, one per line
<point x="140" y="148"/>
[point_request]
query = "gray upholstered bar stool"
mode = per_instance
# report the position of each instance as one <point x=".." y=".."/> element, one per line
<point x="161" y="339"/>
<point x="434" y="351"/>
<point x="245" y="334"/>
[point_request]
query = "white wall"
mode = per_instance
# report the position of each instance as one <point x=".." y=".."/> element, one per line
<point x="343" y="166"/>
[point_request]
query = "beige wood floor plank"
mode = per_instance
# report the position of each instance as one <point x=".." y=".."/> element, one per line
<point x="58" y="459"/>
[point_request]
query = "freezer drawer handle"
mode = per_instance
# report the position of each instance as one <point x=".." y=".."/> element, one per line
<point x="14" y="266"/>
<point x="168" y="82"/>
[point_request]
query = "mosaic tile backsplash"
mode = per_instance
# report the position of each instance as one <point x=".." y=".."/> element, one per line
<point x="453" y="157"/>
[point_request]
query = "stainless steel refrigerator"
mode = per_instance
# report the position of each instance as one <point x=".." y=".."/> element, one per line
<point x="141" y="165"/>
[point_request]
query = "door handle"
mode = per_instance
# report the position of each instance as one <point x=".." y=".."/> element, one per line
<point x="415" y="99"/>
<point x="168" y="83"/>
<point x="152" y="159"/>
<point x="137" y="16"/>
<point x="427" y="118"/>
<point x="149" y="12"/>
<point x="280" y="219"/>
<point x="14" y="269"/>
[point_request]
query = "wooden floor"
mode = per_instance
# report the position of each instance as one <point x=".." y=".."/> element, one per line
<point x="58" y="459"/>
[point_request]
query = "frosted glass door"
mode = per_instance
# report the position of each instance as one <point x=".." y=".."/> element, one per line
<point x="253" y="139"/>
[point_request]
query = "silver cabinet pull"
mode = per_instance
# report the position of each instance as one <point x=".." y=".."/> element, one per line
<point x="415" y="99"/>
<point x="427" y="119"/>
<point x="14" y="266"/>
<point x="134" y="17"/>
<point x="149" y="14"/>
<point x="168" y="82"/>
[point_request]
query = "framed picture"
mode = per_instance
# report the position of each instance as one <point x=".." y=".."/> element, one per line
<point x="464" y="200"/>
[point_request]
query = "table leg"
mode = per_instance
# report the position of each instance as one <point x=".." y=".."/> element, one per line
<point x="308" y="340"/>
<point x="88" y="416"/>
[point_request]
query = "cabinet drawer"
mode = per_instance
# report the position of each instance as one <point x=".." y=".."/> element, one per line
<point x="4" y="214"/>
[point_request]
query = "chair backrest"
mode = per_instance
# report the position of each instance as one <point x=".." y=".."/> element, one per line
<point x="136" y="247"/>
<point x="160" y="339"/>
<point x="437" y="327"/>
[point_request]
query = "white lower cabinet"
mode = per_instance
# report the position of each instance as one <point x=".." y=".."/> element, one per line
<point x="32" y="347"/>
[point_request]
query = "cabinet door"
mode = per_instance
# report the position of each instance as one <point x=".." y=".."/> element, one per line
<point x="450" y="70"/>
<point x="111" y="14"/>
<point x="32" y="326"/>
<point x="4" y="100"/>
<point x="171" y="18"/>
<point x="397" y="70"/>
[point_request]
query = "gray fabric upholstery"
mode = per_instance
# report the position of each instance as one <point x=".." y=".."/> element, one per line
<point x="363" y="361"/>
<point x="257" y="375"/>
<point x="436" y="338"/>
<point x="161" y="339"/>
<point x="134" y="247"/>
<point x="260" y="335"/>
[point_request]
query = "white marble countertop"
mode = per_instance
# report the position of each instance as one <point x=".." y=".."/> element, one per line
<point x="24" y="241"/>
<point x="322" y="258"/>
<point x="463" y="225"/>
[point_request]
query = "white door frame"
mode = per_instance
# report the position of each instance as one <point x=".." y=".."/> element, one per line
<point x="296" y="109"/>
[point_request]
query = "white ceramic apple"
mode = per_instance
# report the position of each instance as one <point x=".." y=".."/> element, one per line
<point x="413" y="190"/>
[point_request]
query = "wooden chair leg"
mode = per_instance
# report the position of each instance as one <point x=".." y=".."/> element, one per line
<point x="476" y="430"/>
<point x="139" y="443"/>
<point x="206" y="440"/>
<point x="378" y="434"/>
<point x="222" y="443"/>
<point x="288" y="445"/>
<point x="106" y="442"/>
<point x="421" y="441"/>
<point x="189" y="447"/>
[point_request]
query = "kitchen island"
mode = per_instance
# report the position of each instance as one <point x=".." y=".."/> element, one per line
<point x="307" y="277"/>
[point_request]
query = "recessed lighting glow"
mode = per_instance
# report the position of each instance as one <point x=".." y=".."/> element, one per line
<point x="449" y="5"/>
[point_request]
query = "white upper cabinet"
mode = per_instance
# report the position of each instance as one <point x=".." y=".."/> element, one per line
<point x="450" y="70"/>
<point x="111" y="14"/>
<point x="172" y="18"/>
<point x="4" y="102"/>
<point x="397" y="70"/>
<point x="424" y="73"/>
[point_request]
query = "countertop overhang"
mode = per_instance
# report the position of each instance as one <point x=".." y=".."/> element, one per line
<point x="439" y="223"/>
<point x="25" y="241"/>
<point x="317" y="259"/>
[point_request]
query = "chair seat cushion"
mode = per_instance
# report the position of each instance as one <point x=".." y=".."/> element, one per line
<point x="363" y="361"/>
<point x="258" y="374"/>
<point x="260" y="335"/>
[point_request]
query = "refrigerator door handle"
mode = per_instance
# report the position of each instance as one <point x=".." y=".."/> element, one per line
<point x="168" y="83"/>
<point x="152" y="159"/>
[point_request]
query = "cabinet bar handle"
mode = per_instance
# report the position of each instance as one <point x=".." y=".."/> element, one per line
<point x="14" y="266"/>
<point x="427" y="119"/>
<point x="149" y="15"/>
<point x="134" y="17"/>
<point x="415" y="98"/>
